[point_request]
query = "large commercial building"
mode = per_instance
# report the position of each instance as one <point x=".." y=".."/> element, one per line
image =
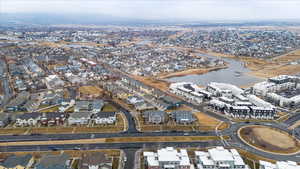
<point x="167" y="158"/>
<point x="282" y="90"/>
<point x="233" y="101"/>
<point x="214" y="158"/>
<point x="219" y="157"/>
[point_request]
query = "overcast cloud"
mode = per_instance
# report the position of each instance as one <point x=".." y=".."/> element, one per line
<point x="162" y="9"/>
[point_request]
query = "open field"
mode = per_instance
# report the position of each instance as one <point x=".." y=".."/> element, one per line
<point x="289" y="57"/>
<point x="50" y="109"/>
<point x="275" y="70"/>
<point x="159" y="84"/>
<point x="209" y="123"/>
<point x="263" y="138"/>
<point x="109" y="108"/>
<point x="90" y="90"/>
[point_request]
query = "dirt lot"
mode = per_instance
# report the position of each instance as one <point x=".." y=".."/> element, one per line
<point x="90" y="90"/>
<point x="264" y="138"/>
<point x="209" y="123"/>
<point x="160" y="84"/>
<point x="289" y="57"/>
<point x="275" y="70"/>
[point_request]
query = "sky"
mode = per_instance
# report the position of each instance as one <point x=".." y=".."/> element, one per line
<point x="162" y="9"/>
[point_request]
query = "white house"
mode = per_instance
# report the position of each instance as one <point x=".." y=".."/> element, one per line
<point x="79" y="118"/>
<point x="105" y="118"/>
<point x="28" y="119"/>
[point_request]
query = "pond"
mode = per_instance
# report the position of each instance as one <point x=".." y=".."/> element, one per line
<point x="235" y="74"/>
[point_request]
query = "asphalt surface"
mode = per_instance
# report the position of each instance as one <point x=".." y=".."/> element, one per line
<point x="293" y="119"/>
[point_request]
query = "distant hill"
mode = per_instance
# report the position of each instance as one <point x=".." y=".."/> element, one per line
<point x="101" y="19"/>
<point x="48" y="19"/>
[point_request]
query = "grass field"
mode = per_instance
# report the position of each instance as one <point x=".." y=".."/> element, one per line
<point x="209" y="123"/>
<point x="264" y="138"/>
<point x="159" y="84"/>
<point x="90" y="90"/>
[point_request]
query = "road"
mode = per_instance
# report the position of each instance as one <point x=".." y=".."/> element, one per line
<point x="293" y="119"/>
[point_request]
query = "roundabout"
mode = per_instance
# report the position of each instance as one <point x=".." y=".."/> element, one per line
<point x="269" y="140"/>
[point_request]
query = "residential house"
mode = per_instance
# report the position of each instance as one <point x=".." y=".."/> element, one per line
<point x="154" y="116"/>
<point x="79" y="118"/>
<point x="17" y="162"/>
<point x="167" y="158"/>
<point x="53" y="118"/>
<point x="142" y="106"/>
<point x="28" y="119"/>
<point x="49" y="161"/>
<point x="54" y="82"/>
<point x="105" y="118"/>
<point x="97" y="106"/>
<point x="34" y="102"/>
<point x="183" y="117"/>
<point x="81" y="106"/>
<point x="95" y="160"/>
<point x="4" y="119"/>
<point x="171" y="101"/>
<point x="17" y="103"/>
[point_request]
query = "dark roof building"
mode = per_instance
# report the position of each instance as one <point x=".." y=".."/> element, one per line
<point x="13" y="161"/>
<point x="155" y="116"/>
<point x="97" y="160"/>
<point x="26" y="116"/>
<point x="104" y="114"/>
<point x="183" y="117"/>
<point x="53" y="162"/>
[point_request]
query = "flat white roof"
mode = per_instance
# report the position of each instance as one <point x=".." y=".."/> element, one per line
<point x="204" y="158"/>
<point x="267" y="165"/>
<point x="287" y="165"/>
<point x="220" y="154"/>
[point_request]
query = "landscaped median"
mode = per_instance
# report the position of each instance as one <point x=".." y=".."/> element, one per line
<point x="269" y="139"/>
<point x="119" y="140"/>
